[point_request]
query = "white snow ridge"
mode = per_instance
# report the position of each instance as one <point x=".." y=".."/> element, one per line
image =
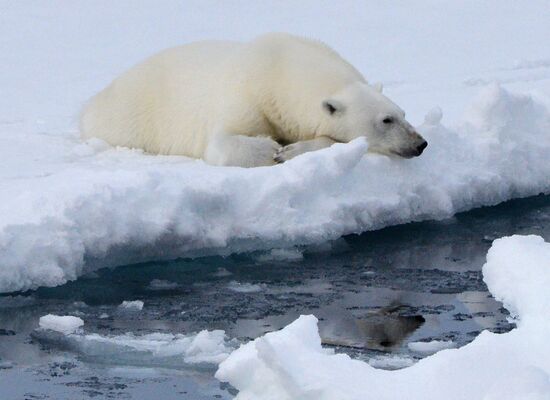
<point x="291" y="364"/>
<point x="122" y="206"/>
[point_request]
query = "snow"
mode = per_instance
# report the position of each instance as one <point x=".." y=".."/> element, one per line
<point x="131" y="305"/>
<point x="524" y="288"/>
<point x="431" y="347"/>
<point x="64" y="324"/>
<point x="68" y="207"/>
<point x="291" y="364"/>
<point x="132" y="201"/>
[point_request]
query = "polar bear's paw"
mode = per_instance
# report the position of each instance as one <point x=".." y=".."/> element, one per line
<point x="257" y="151"/>
<point x="262" y="152"/>
<point x="287" y="152"/>
<point x="241" y="151"/>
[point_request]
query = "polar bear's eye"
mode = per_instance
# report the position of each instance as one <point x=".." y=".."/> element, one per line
<point x="387" y="120"/>
<point x="333" y="107"/>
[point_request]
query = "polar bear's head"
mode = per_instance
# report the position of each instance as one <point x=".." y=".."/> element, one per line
<point x="362" y="110"/>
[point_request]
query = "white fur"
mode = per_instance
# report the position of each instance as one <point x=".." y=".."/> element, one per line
<point x="230" y="103"/>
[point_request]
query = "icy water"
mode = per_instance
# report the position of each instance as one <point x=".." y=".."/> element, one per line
<point x="373" y="293"/>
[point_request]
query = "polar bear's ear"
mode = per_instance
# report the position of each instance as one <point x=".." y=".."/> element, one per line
<point x="333" y="107"/>
<point x="378" y="87"/>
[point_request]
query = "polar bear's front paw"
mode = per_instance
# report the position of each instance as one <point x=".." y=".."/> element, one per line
<point x="287" y="152"/>
<point x="263" y="151"/>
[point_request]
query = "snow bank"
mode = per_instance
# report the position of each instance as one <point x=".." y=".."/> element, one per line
<point x="68" y="207"/>
<point x="155" y="349"/>
<point x="525" y="287"/>
<point x="291" y="364"/>
<point x="64" y="324"/>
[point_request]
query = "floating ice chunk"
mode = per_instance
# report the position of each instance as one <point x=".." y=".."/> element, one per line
<point x="426" y="348"/>
<point x="207" y="346"/>
<point x="133" y="305"/>
<point x="155" y="349"/>
<point x="291" y="364"/>
<point x="244" y="287"/>
<point x="391" y="362"/>
<point x="64" y="324"/>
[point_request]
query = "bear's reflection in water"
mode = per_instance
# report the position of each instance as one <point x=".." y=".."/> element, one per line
<point x="378" y="330"/>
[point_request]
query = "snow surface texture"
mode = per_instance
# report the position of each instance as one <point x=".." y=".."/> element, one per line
<point x="291" y="364"/>
<point x="68" y="207"/>
<point x="155" y="349"/>
<point x="168" y="206"/>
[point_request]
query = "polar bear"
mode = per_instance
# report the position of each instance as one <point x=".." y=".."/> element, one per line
<point x="247" y="104"/>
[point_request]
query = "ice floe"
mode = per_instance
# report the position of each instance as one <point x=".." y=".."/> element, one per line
<point x="291" y="364"/>
<point x="131" y="305"/>
<point x="65" y="324"/>
<point x="154" y="349"/>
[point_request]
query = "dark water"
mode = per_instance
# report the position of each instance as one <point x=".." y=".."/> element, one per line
<point x="373" y="294"/>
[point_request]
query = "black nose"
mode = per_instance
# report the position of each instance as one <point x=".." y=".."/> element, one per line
<point x="421" y="148"/>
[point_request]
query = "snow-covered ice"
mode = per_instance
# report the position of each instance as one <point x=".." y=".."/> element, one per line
<point x="65" y="324"/>
<point x="49" y="231"/>
<point x="68" y="207"/>
<point x="291" y="364"/>
<point x="154" y="349"/>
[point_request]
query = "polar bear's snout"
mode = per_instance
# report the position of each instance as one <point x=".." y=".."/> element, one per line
<point x="418" y="146"/>
<point x="421" y="147"/>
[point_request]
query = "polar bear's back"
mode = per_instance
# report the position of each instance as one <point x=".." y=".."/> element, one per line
<point x="165" y="103"/>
